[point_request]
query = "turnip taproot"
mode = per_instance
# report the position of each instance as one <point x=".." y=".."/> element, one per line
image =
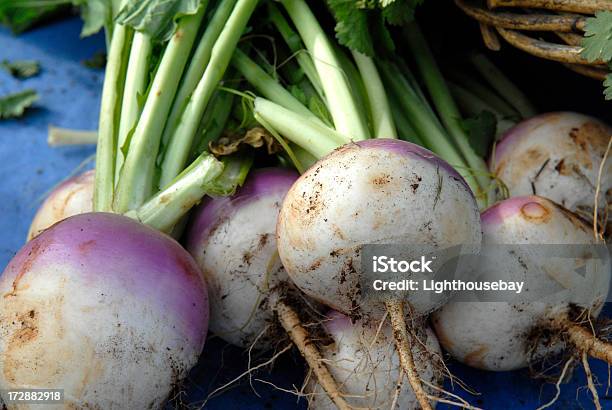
<point x="372" y="192"/>
<point x="364" y="362"/>
<point x="72" y="197"/>
<point x="113" y="312"/>
<point x="504" y="335"/>
<point x="557" y="156"/>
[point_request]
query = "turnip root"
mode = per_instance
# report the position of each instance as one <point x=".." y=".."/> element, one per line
<point x="233" y="241"/>
<point x="374" y="191"/>
<point x="505" y="335"/>
<point x="113" y="312"/>
<point x="72" y="197"/>
<point x="557" y="156"/>
<point x="364" y="362"/>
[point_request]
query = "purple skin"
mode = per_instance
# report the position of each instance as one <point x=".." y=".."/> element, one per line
<point x="558" y="156"/>
<point x="510" y="137"/>
<point x="112" y="311"/>
<point x="260" y="182"/>
<point x="147" y="264"/>
<point x="502" y="211"/>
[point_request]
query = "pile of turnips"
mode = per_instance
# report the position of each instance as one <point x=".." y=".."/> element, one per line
<point x="127" y="267"/>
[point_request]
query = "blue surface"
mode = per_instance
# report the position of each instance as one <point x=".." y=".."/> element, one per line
<point x="29" y="168"/>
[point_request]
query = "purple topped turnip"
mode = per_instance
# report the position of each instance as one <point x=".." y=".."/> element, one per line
<point x="506" y="335"/>
<point x="113" y="312"/>
<point x="233" y="241"/>
<point x="557" y="156"/>
<point x="372" y="192"/>
<point x="72" y="197"/>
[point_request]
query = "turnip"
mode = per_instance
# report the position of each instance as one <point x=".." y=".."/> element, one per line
<point x="233" y="240"/>
<point x="364" y="362"/>
<point x="113" y="312"/>
<point x="504" y="335"/>
<point x="557" y="156"/>
<point x="234" y="243"/>
<point x="72" y="197"/>
<point x="374" y="191"/>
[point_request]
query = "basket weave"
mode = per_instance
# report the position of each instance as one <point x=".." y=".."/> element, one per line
<point x="565" y="19"/>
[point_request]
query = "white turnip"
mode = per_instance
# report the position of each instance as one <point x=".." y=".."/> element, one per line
<point x="72" y="197"/>
<point x="113" y="312"/>
<point x="373" y="192"/>
<point x="233" y="241"/>
<point x="364" y="362"/>
<point x="557" y="156"/>
<point x="506" y="335"/>
<point x="370" y="192"/>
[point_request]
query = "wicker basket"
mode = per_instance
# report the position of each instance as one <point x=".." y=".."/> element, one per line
<point x="563" y="20"/>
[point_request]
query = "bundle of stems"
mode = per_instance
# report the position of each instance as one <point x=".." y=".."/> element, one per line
<point x="156" y="113"/>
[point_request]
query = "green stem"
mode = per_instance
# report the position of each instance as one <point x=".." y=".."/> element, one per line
<point x="348" y="119"/>
<point x="268" y="86"/>
<point x="405" y="130"/>
<point x="197" y="65"/>
<point x="503" y="85"/>
<point x="136" y="79"/>
<point x="485" y="94"/>
<point x="293" y="41"/>
<point x="446" y="107"/>
<point x="137" y="176"/>
<point x="305" y="159"/>
<point x="181" y="140"/>
<point x="472" y="105"/>
<point x="414" y="84"/>
<point x="314" y="137"/>
<point x="167" y="207"/>
<point x="109" y="120"/>
<point x="63" y="136"/>
<point x="213" y="122"/>
<point x="378" y="103"/>
<point x="425" y="125"/>
<point x="236" y="168"/>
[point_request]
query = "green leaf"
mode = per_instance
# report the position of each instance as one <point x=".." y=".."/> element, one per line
<point x="20" y="15"/>
<point x="352" y="29"/>
<point x="481" y="130"/>
<point x="597" y="42"/>
<point x="399" y="12"/>
<point x="14" y="105"/>
<point x="361" y="24"/>
<point x="156" y="18"/>
<point x="21" y="68"/>
<point x="96" y="14"/>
